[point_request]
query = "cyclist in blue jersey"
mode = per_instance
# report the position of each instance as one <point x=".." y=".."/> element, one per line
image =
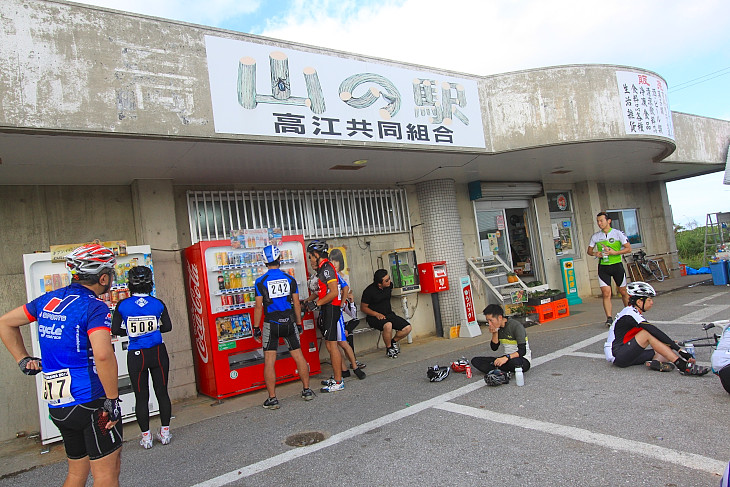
<point x="144" y="318"/>
<point x="277" y="300"/>
<point x="78" y="364"/>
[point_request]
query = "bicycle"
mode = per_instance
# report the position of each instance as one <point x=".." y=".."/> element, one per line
<point x="707" y="340"/>
<point x="650" y="267"/>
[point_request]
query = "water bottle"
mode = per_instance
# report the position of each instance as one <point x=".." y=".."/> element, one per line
<point x="519" y="377"/>
<point x="605" y="257"/>
<point x="690" y="348"/>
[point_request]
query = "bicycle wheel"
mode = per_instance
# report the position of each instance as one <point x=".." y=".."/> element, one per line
<point x="656" y="270"/>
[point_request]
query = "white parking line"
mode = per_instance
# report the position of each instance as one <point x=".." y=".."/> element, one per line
<point x="706" y="298"/>
<point x="289" y="455"/>
<point x="442" y="402"/>
<point x="667" y="455"/>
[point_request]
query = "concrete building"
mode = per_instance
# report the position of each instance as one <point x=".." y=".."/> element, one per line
<point x="121" y="126"/>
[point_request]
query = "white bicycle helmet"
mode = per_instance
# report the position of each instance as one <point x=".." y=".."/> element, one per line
<point x="89" y="260"/>
<point x="437" y="373"/>
<point x="271" y="253"/>
<point x="640" y="289"/>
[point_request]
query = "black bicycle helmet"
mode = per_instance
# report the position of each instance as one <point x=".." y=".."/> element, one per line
<point x="140" y="275"/>
<point x="319" y="246"/>
<point x="496" y="377"/>
<point x="437" y="373"/>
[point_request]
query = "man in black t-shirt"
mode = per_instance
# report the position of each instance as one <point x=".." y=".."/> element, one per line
<point x="375" y="303"/>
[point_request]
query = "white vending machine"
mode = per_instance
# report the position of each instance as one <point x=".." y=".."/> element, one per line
<point x="43" y="275"/>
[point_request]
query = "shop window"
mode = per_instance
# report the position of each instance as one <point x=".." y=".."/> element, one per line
<point x="562" y="222"/>
<point x="312" y="213"/>
<point x="628" y="222"/>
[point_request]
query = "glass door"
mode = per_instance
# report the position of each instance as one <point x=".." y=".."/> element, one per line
<point x="493" y="235"/>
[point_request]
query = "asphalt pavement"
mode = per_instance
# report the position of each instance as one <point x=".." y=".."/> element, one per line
<point x="577" y="421"/>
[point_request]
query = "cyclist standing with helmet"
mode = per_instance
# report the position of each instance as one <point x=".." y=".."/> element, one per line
<point x="277" y="299"/>
<point x="78" y="364"/>
<point x="609" y="244"/>
<point x="329" y="301"/>
<point x="633" y="334"/>
<point x="144" y="318"/>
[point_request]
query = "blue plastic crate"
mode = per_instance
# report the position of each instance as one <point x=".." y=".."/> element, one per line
<point x="720" y="273"/>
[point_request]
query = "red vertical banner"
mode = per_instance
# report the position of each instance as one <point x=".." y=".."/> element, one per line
<point x="470" y="327"/>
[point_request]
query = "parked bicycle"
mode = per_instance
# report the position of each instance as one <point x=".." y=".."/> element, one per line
<point x="705" y="341"/>
<point x="648" y="268"/>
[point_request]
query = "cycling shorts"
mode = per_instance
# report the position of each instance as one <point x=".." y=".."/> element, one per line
<point x="332" y="328"/>
<point x="81" y="428"/>
<point x="273" y="331"/>
<point x="606" y="272"/>
<point x="631" y="353"/>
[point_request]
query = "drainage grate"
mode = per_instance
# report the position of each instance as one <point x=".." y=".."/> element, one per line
<point x="305" y="439"/>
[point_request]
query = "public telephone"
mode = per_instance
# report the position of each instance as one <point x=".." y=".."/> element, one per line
<point x="402" y="265"/>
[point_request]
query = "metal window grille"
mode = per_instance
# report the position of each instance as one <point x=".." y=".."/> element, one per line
<point x="319" y="213"/>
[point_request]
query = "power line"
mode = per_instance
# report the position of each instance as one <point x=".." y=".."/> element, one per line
<point x="691" y="82"/>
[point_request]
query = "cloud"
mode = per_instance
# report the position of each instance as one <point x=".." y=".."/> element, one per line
<point x="487" y="37"/>
<point x="209" y="12"/>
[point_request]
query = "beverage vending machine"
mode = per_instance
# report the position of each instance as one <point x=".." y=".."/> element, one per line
<point x="43" y="275"/>
<point x="220" y="276"/>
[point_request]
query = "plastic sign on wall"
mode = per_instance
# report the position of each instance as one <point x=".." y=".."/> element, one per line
<point x="470" y="326"/>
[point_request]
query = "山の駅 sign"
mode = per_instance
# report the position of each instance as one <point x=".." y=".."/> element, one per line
<point x="265" y="90"/>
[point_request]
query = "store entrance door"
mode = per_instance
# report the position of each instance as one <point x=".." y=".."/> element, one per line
<point x="505" y="229"/>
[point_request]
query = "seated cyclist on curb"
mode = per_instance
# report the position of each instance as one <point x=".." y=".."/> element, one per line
<point x="513" y="337"/>
<point x="633" y="334"/>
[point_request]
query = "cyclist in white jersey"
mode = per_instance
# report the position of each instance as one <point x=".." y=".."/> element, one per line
<point x="609" y="245"/>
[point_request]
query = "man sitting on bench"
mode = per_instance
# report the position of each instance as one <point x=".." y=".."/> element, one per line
<point x="375" y="303"/>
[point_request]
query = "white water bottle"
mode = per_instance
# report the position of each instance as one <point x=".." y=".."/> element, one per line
<point x="519" y="377"/>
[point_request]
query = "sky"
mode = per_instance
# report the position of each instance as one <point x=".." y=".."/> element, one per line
<point x="686" y="42"/>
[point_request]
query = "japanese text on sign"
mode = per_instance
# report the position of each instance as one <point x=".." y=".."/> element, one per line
<point x="265" y="90"/>
<point x="644" y="104"/>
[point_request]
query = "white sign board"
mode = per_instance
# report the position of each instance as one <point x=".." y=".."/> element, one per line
<point x="271" y="91"/>
<point x="644" y="104"/>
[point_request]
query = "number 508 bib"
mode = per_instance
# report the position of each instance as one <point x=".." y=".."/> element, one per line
<point x="141" y="325"/>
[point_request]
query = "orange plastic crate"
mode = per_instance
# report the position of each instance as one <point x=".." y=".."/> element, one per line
<point x="561" y="309"/>
<point x="545" y="312"/>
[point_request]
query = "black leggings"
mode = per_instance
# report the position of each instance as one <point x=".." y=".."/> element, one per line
<point x="485" y="364"/>
<point x="724" y="375"/>
<point x="156" y="361"/>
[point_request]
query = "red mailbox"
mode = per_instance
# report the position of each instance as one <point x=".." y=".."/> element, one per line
<point x="433" y="277"/>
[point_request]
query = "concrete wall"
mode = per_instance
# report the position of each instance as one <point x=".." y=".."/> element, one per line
<point x="552" y="105"/>
<point x="34" y="218"/>
<point x="700" y="139"/>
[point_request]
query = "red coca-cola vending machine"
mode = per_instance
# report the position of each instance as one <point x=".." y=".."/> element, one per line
<point x="220" y="276"/>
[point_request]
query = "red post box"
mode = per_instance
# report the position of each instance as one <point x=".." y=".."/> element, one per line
<point x="433" y="277"/>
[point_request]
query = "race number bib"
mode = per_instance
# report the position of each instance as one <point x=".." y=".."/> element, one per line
<point x="141" y="325"/>
<point x="57" y="387"/>
<point x="278" y="288"/>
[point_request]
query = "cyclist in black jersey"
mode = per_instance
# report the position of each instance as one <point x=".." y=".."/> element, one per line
<point x="143" y="318"/>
